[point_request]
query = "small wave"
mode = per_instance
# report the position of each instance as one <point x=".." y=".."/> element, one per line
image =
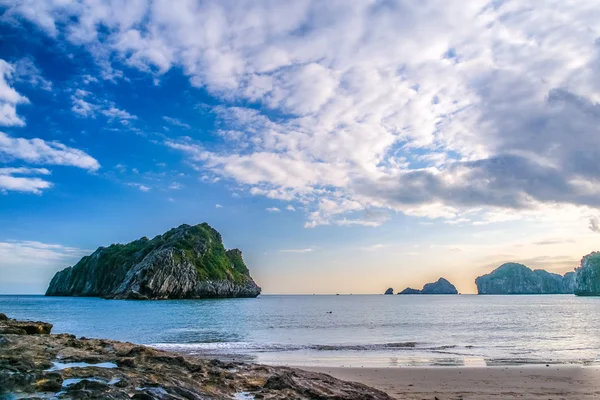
<point x="452" y="346"/>
<point x="278" y="347"/>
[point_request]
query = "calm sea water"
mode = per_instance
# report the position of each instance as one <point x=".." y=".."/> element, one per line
<point x="341" y="330"/>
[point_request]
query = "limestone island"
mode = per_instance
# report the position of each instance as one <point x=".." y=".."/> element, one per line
<point x="587" y="276"/>
<point x="514" y="278"/>
<point x="187" y="262"/>
<point x="35" y="364"/>
<point x="442" y="286"/>
<point x="389" y="291"/>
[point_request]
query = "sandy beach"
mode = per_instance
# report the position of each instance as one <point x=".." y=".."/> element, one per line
<point x="453" y="383"/>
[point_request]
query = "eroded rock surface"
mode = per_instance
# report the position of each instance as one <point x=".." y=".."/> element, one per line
<point x="65" y="367"/>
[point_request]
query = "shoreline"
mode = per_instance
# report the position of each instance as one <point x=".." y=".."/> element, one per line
<point x="34" y="362"/>
<point x="476" y="383"/>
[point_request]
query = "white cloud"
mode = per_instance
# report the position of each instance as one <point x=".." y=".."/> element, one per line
<point x="374" y="247"/>
<point x="431" y="110"/>
<point x="86" y="105"/>
<point x="140" y="186"/>
<point x="175" y="186"/>
<point x="290" y="208"/>
<point x="82" y="107"/>
<point x="273" y="209"/>
<point x="218" y="206"/>
<point x="23" y="180"/>
<point x="39" y="151"/>
<point x="9" y="98"/>
<point x="176" y="122"/>
<point x="595" y="224"/>
<point x="25" y="70"/>
<point x="307" y="250"/>
<point x="114" y="113"/>
<point x="31" y="264"/>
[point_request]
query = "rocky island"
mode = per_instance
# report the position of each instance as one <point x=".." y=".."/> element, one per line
<point x="587" y="276"/>
<point x="187" y="262"/>
<point x="389" y="291"/>
<point x="442" y="286"/>
<point x="514" y="278"/>
<point x="35" y="364"/>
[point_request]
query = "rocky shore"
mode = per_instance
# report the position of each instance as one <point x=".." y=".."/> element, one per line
<point x="37" y="364"/>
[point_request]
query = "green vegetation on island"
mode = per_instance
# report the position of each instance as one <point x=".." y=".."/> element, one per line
<point x="185" y="262"/>
<point x="587" y="276"/>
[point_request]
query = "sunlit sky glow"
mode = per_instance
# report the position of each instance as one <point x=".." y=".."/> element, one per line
<point x="344" y="146"/>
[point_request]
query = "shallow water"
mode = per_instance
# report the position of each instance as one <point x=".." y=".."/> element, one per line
<point x="355" y="330"/>
<point x="58" y="366"/>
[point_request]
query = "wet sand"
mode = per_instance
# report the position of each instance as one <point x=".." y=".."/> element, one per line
<point x="475" y="383"/>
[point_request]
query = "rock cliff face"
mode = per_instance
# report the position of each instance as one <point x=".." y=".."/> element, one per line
<point x="587" y="276"/>
<point x="514" y="278"/>
<point x="184" y="263"/>
<point x="442" y="286"/>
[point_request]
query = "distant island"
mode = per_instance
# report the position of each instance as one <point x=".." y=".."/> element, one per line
<point x="515" y="278"/>
<point x="389" y="291"/>
<point x="587" y="276"/>
<point x="187" y="262"/>
<point x="442" y="286"/>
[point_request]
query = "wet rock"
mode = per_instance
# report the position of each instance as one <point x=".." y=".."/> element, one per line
<point x="89" y="385"/>
<point x="280" y="382"/>
<point x="49" y="382"/>
<point x="13" y="327"/>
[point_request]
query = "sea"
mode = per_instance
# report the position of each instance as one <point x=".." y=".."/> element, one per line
<point x="340" y="331"/>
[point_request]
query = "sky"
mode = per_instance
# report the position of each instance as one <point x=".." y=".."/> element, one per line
<point x="343" y="146"/>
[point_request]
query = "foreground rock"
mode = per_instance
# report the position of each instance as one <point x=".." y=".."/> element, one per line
<point x="13" y="327"/>
<point x="514" y="278"/>
<point x="187" y="262"/>
<point x="442" y="286"/>
<point x="587" y="276"/>
<point x="64" y="367"/>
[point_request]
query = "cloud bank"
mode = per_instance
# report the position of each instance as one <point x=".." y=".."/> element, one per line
<point x="437" y="109"/>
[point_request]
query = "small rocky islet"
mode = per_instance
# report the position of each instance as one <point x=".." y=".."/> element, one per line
<point x="187" y="262"/>
<point x="441" y="286"/>
<point x="35" y="364"/>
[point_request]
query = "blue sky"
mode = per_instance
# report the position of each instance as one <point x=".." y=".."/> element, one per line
<point x="344" y="147"/>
